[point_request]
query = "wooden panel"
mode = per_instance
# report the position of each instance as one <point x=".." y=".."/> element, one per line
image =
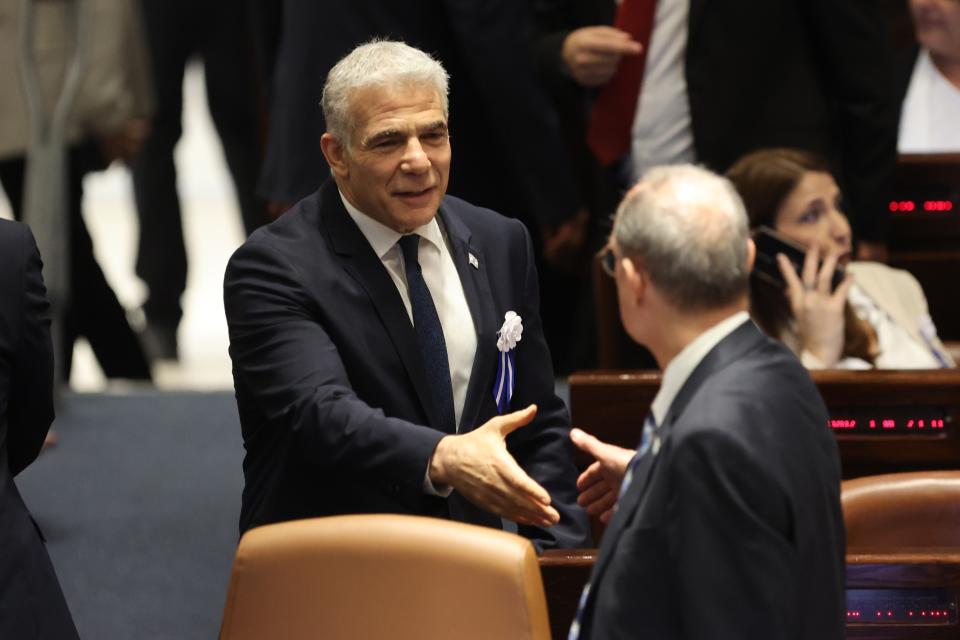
<point x="925" y="240"/>
<point x="566" y="572"/>
<point x="612" y="406"/>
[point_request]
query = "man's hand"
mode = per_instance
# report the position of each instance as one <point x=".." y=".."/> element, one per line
<point x="599" y="485"/>
<point x="592" y="54"/>
<point x="562" y="245"/>
<point x="277" y="209"/>
<point x="478" y="465"/>
<point x="125" y="143"/>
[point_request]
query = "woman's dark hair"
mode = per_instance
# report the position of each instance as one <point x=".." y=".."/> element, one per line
<point x="764" y="179"/>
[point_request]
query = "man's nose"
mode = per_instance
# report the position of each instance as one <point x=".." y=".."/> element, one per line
<point x="414" y="158"/>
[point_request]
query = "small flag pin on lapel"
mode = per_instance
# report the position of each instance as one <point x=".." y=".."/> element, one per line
<point x="473" y="261"/>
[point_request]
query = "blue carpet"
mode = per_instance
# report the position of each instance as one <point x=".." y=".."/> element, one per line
<point x="139" y="502"/>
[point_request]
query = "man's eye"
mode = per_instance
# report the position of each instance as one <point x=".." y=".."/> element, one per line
<point x="434" y="136"/>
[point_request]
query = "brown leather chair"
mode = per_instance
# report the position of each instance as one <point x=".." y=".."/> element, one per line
<point x="902" y="511"/>
<point x="384" y="576"/>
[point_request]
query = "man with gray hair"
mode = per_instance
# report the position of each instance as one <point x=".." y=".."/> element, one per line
<point x="726" y="522"/>
<point x="375" y="331"/>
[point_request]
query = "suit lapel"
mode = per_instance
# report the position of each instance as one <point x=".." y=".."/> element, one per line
<point x="360" y="261"/>
<point x="476" y="289"/>
<point x="725" y="352"/>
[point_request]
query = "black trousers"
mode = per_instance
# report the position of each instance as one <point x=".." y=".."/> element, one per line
<point x="93" y="311"/>
<point x="218" y="31"/>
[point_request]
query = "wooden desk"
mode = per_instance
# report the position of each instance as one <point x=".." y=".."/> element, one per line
<point x="915" y="415"/>
<point x="922" y="581"/>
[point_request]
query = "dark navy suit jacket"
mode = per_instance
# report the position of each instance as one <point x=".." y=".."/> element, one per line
<point x="734" y="529"/>
<point x="333" y="399"/>
<point x="31" y="603"/>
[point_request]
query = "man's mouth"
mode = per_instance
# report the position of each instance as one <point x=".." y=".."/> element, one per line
<point x="414" y="193"/>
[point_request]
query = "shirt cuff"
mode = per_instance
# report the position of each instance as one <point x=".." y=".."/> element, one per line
<point x="443" y="491"/>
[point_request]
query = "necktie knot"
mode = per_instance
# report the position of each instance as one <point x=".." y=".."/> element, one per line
<point x="410" y="246"/>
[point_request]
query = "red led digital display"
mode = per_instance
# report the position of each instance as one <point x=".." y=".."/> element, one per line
<point x="930" y="206"/>
<point x="924" y="421"/>
<point x="856" y="614"/>
<point x="901" y="607"/>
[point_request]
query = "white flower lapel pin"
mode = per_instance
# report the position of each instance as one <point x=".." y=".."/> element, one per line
<point x="507" y="338"/>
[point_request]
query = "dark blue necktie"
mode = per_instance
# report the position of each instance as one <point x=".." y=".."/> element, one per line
<point x="426" y="323"/>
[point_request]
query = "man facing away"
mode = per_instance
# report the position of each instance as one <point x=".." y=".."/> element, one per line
<point x="370" y="368"/>
<point x="726" y="522"/>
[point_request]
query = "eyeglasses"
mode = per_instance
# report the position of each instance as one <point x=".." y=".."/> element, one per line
<point x="608" y="260"/>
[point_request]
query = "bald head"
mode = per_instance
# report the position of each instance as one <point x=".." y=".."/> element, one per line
<point x="688" y="228"/>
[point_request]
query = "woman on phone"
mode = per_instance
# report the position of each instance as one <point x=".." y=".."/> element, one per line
<point x="875" y="317"/>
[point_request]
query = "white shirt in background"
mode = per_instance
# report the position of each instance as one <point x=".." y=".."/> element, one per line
<point x="930" y="121"/>
<point x="662" y="128"/>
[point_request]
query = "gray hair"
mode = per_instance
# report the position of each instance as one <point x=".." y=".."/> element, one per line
<point x="377" y="63"/>
<point x="689" y="226"/>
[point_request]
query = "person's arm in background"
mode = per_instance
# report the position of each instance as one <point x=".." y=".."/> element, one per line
<point x="494" y="39"/>
<point x="856" y="62"/>
<point x="30" y="405"/>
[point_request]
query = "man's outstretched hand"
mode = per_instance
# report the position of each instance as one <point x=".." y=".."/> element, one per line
<point x="599" y="485"/>
<point x="478" y="465"/>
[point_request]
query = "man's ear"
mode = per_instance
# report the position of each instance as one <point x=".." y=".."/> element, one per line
<point x="751" y="254"/>
<point x="636" y="278"/>
<point x="336" y="154"/>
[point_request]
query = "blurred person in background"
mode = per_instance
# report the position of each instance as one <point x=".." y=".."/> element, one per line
<point x="509" y="154"/>
<point x="32" y="606"/>
<point x="109" y="120"/>
<point x="930" y="121"/>
<point x="219" y="33"/>
<point x="694" y="81"/>
<point x="876" y="317"/>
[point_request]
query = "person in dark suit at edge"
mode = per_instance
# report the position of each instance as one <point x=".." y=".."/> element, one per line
<point x="364" y="331"/>
<point x="32" y="606"/>
<point x="728" y="520"/>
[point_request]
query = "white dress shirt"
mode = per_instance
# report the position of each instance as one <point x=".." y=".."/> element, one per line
<point x="662" y="128"/>
<point x="930" y="121"/>
<point x="442" y="279"/>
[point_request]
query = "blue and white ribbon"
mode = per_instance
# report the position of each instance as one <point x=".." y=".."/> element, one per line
<point x="505" y="382"/>
<point x="507" y="338"/>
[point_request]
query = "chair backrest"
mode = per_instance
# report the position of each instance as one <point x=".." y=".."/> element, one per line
<point x="384" y="576"/>
<point x="903" y="511"/>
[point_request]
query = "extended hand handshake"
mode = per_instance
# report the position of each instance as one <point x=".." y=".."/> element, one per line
<point x="478" y="465"/>
<point x="599" y="485"/>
